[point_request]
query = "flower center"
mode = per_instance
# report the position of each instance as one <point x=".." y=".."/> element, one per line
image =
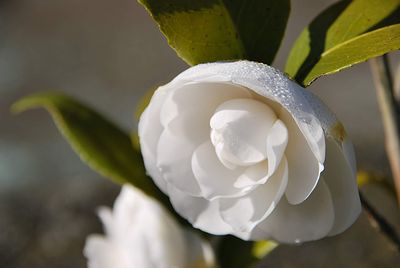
<point x="239" y="131"/>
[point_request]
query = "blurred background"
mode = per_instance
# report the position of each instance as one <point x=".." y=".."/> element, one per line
<point x="107" y="54"/>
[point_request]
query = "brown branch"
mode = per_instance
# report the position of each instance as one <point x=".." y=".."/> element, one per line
<point x="381" y="223"/>
<point x="389" y="112"/>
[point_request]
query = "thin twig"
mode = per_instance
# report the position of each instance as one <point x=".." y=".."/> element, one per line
<point x="397" y="85"/>
<point x="381" y="223"/>
<point x="389" y="112"/>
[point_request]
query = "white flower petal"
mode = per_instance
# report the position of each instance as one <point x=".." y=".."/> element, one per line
<point x="203" y="214"/>
<point x="192" y="105"/>
<point x="310" y="220"/>
<point x="174" y="156"/>
<point x="103" y="254"/>
<point x="276" y="144"/>
<point x="106" y="216"/>
<point x="304" y="168"/>
<point x="135" y="223"/>
<point x="231" y="125"/>
<point x="272" y="84"/>
<point x="342" y="184"/>
<point x="214" y="178"/>
<point x="218" y="104"/>
<point x="253" y="176"/>
<point x="149" y="130"/>
<point x="247" y="211"/>
<point x="349" y="155"/>
<point x="219" y="150"/>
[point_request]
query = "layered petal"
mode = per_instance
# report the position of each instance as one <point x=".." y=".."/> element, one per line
<point x="191" y="106"/>
<point x="241" y="126"/>
<point x="277" y="140"/>
<point x="149" y="130"/>
<point x="174" y="156"/>
<point x="214" y="179"/>
<point x="247" y="211"/>
<point x="304" y="167"/>
<point x="201" y="213"/>
<point x="342" y="184"/>
<point x="269" y="84"/>
<point x="253" y="176"/>
<point x="310" y="220"/>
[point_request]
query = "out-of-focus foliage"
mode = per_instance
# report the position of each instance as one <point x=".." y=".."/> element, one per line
<point x="233" y="252"/>
<point x="346" y="33"/>
<point x="214" y="30"/>
<point x="100" y="143"/>
<point x="262" y="248"/>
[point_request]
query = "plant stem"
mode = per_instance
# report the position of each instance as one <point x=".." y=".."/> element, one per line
<point x="380" y="222"/>
<point x="389" y="111"/>
<point x="397" y="85"/>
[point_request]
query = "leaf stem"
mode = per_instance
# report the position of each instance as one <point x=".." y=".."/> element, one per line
<point x="389" y="112"/>
<point x="381" y="223"/>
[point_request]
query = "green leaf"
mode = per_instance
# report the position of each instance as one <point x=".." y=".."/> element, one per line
<point x="215" y="30"/>
<point x="140" y="107"/>
<point x="98" y="142"/>
<point x="233" y="252"/>
<point x="356" y="50"/>
<point x="341" y="23"/>
<point x="263" y="248"/>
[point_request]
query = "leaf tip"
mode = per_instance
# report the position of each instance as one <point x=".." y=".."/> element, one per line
<point x="20" y="106"/>
<point x="36" y="100"/>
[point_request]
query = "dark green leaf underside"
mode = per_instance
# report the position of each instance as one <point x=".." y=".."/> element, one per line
<point x="217" y="30"/>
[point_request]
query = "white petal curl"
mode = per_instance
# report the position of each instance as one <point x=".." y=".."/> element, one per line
<point x="241" y="126"/>
<point x="174" y="154"/>
<point x="277" y="141"/>
<point x="192" y="105"/>
<point x="244" y="213"/>
<point x="149" y="130"/>
<point x="304" y="167"/>
<point x="311" y="220"/>
<point x="341" y="180"/>
<point x="215" y="179"/>
<point x="201" y="213"/>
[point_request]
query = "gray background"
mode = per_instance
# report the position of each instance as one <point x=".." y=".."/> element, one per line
<point x="107" y="54"/>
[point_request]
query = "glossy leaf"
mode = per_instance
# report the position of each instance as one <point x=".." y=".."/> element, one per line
<point x="215" y="30"/>
<point x="339" y="24"/>
<point x="99" y="143"/>
<point x="356" y="50"/>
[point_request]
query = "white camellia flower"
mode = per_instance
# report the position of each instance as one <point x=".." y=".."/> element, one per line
<point x="140" y="233"/>
<point x="241" y="149"/>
